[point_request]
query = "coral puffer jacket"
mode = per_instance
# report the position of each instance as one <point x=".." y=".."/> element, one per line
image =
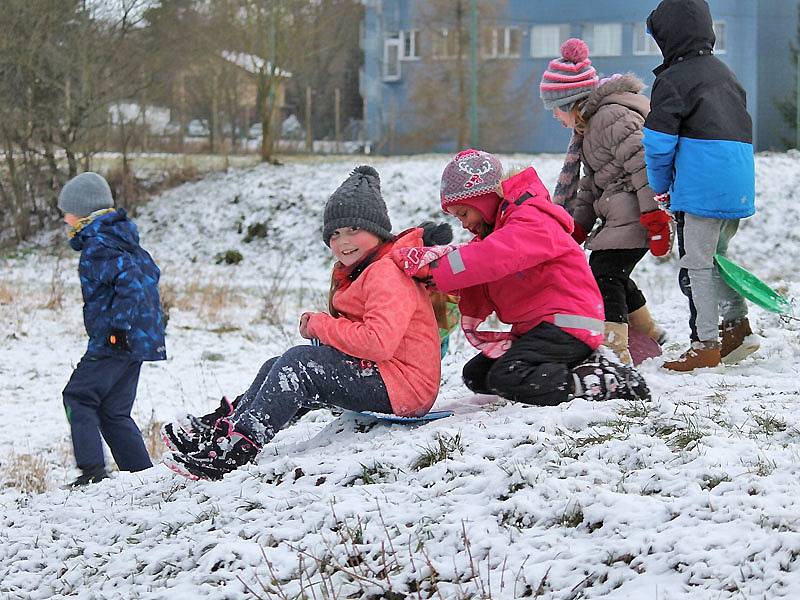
<point x="387" y="318"/>
<point x="529" y="270"/>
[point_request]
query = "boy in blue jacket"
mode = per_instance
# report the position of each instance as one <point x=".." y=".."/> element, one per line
<point x="122" y="315"/>
<point x="699" y="154"/>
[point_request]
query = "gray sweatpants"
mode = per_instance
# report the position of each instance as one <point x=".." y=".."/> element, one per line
<point x="699" y="239"/>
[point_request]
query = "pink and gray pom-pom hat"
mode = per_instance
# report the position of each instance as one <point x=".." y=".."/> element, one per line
<point x="569" y="78"/>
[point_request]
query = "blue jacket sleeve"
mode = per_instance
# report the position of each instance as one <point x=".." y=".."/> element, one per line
<point x="661" y="128"/>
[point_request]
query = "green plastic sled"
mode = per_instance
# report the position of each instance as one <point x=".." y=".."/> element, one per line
<point x="751" y="287"/>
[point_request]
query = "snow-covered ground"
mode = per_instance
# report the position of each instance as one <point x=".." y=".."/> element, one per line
<point x="695" y="494"/>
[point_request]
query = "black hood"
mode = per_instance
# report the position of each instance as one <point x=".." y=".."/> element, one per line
<point x="682" y="28"/>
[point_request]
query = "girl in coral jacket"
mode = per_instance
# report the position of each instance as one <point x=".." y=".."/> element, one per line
<point x="379" y="343"/>
<point x="524" y="266"/>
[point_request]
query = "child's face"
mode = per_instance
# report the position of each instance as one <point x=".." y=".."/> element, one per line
<point x="71" y="219"/>
<point x="470" y="218"/>
<point x="566" y="118"/>
<point x="350" y="245"/>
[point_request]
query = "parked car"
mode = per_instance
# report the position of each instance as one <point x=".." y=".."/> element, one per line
<point x="197" y="128"/>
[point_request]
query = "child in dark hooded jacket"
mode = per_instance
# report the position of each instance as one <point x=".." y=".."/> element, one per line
<point x="524" y="266"/>
<point x="699" y="154"/>
<point x="122" y="315"/>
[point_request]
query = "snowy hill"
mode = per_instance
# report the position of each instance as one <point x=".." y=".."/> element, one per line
<point x="695" y="494"/>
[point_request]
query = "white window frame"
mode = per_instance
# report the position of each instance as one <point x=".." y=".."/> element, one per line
<point x="721" y="32"/>
<point x="590" y="34"/>
<point x="409" y="44"/>
<point x="643" y="43"/>
<point x="501" y="42"/>
<point x="538" y="31"/>
<point x="391" y="66"/>
<point x="442" y="40"/>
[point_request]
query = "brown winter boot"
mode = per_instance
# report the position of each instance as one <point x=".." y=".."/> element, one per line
<point x="616" y="338"/>
<point x="738" y="340"/>
<point x="640" y="320"/>
<point x="700" y="355"/>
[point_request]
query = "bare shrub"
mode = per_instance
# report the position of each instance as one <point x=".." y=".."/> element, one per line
<point x="55" y="299"/>
<point x="25" y="472"/>
<point x="208" y="299"/>
<point x="273" y="307"/>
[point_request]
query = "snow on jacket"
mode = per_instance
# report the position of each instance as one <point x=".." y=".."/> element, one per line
<point x="615" y="185"/>
<point x="528" y="270"/>
<point x="698" y="136"/>
<point x="387" y="318"/>
<point x="119" y="283"/>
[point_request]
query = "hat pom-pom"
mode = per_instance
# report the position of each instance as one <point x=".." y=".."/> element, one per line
<point x="575" y="50"/>
<point x="366" y="170"/>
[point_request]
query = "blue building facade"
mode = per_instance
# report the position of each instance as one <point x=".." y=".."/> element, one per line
<point x="399" y="40"/>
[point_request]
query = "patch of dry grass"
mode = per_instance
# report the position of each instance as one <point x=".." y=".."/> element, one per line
<point x="25" y="472"/>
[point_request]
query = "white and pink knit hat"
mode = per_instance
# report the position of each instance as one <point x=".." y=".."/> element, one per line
<point x="569" y="78"/>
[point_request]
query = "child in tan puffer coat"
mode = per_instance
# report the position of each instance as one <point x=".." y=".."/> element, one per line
<point x="607" y="118"/>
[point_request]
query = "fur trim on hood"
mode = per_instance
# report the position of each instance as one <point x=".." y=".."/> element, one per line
<point x="619" y="87"/>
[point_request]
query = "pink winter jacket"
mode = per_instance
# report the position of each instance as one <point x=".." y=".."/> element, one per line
<point x="387" y="318"/>
<point x="529" y="270"/>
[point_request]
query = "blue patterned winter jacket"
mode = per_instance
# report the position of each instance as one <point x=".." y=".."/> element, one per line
<point x="119" y="282"/>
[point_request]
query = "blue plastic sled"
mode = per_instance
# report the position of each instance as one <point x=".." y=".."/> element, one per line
<point x="431" y="416"/>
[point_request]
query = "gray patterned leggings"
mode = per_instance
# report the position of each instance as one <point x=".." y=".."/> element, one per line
<point x="307" y="376"/>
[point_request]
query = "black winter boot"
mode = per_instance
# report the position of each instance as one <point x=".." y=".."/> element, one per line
<point x="226" y="452"/>
<point x="599" y="378"/>
<point x="93" y="474"/>
<point x="190" y="440"/>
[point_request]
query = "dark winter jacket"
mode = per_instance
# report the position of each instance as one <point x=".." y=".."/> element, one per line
<point x="119" y="282"/>
<point x="698" y="136"/>
<point x="615" y="185"/>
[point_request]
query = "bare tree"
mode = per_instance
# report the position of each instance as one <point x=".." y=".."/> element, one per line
<point x="439" y="97"/>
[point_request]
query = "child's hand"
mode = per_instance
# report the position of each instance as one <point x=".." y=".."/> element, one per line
<point x="304" y="325"/>
<point x="659" y="231"/>
<point x="118" y="340"/>
<point x="662" y="200"/>
<point x="579" y="234"/>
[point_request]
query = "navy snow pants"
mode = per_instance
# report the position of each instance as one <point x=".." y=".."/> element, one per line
<point x="98" y="400"/>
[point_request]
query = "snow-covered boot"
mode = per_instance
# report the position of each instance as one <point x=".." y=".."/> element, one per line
<point x="600" y="378"/>
<point x="188" y="440"/>
<point x="616" y="338"/>
<point x="642" y="321"/>
<point x="700" y="355"/>
<point x="738" y="341"/>
<point x="206" y="423"/>
<point x="228" y="450"/>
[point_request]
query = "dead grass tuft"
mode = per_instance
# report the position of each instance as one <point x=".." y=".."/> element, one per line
<point x="26" y="472"/>
<point x="151" y="432"/>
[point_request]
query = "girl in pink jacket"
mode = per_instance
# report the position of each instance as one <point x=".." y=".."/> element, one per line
<point x="524" y="266"/>
<point x="378" y="350"/>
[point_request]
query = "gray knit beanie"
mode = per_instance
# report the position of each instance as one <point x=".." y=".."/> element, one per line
<point x="358" y="203"/>
<point x="569" y="78"/>
<point x="84" y="194"/>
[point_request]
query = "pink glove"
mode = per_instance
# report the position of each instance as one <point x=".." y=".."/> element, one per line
<point x="415" y="261"/>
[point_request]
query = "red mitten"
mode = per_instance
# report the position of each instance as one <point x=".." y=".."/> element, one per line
<point x="579" y="234"/>
<point x="659" y="231"/>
